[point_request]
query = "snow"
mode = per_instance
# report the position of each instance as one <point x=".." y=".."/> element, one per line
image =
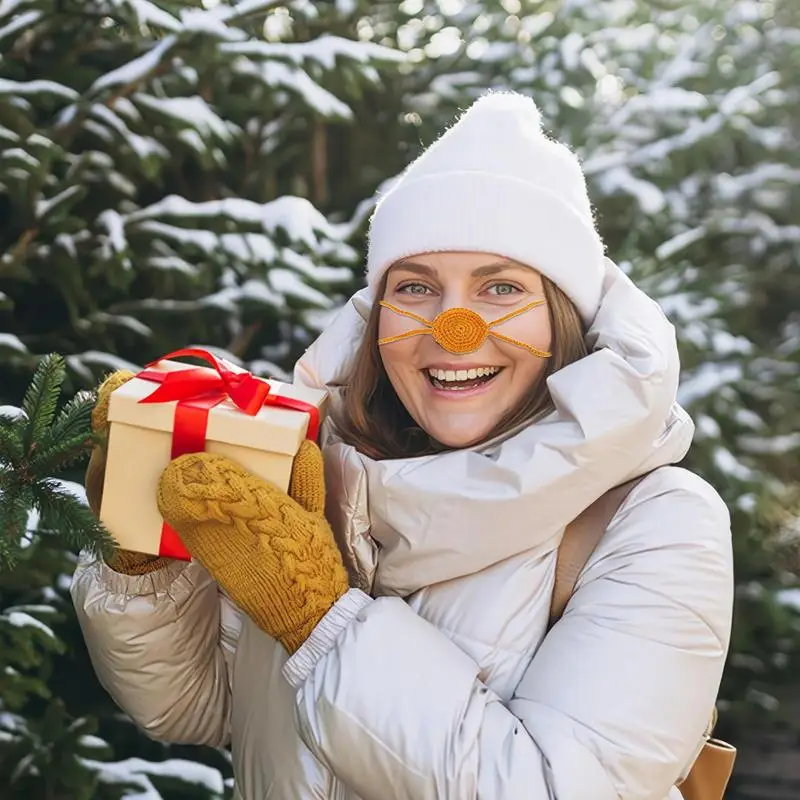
<point x="789" y="598"/>
<point x="81" y="363"/>
<point x="250" y="247"/>
<point x="571" y="47"/>
<point x="119" y="182"/>
<point x="136" y="770"/>
<point x="229" y="297"/>
<point x="319" y="319"/>
<point x="93" y="742"/>
<point x="143" y="146"/>
<point x="226" y="299"/>
<point x="775" y="445"/>
<point x="20" y="619"/>
<point x="43" y="207"/>
<point x="244" y="8"/>
<point x="150" y="14"/>
<point x="114" y="226"/>
<point x="98" y="130"/>
<point x="11" y="412"/>
<point x="194" y="111"/>
<point x="32" y="608"/>
<point x="266" y="369"/>
<point x="172" y="263"/>
<point x="135" y="70"/>
<point x="723" y="343"/>
<point x="731" y="187"/>
<point x="649" y="197"/>
<point x="319" y="272"/>
<point x="667" y="100"/>
<point x="282" y="76"/>
<point x="72" y="487"/>
<point x="680" y="242"/>
<point x="8" y="7"/>
<point x="301" y="221"/>
<point x="204" y="240"/>
<point x="740" y="98"/>
<point x="325" y="50"/>
<point x="20" y="23"/>
<point x="289" y="284"/>
<point x="125" y="321"/>
<point x="729" y="465"/>
<point x="193" y="139"/>
<point x="10" y="341"/>
<point x="200" y="21"/>
<point x="706" y="379"/>
<point x="8" y="87"/>
<point x="18" y="154"/>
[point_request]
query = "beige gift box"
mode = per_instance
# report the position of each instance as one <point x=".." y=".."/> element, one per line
<point x="140" y="447"/>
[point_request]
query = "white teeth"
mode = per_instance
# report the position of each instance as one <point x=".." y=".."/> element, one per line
<point x="462" y="374"/>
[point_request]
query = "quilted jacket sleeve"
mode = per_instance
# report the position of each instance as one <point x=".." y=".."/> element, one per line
<point x="612" y="706"/>
<point x="160" y="645"/>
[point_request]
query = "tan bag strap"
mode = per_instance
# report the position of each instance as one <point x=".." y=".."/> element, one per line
<point x="580" y="539"/>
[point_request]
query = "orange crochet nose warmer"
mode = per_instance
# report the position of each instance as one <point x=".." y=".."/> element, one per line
<point x="462" y="330"/>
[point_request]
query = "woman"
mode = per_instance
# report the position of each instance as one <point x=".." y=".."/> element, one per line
<point x="496" y="376"/>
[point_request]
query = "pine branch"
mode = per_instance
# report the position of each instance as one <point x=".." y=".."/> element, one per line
<point x="16" y="501"/>
<point x="35" y="446"/>
<point x="62" y="514"/>
<point x="59" y="456"/>
<point x="11" y="451"/>
<point x="74" y="418"/>
<point x="41" y="398"/>
<point x="68" y="440"/>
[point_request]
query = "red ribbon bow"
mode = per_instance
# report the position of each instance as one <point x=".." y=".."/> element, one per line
<point x="243" y="388"/>
<point x="197" y="391"/>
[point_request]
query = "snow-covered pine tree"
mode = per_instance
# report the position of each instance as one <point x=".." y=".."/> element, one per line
<point x="685" y="114"/>
<point x="158" y="163"/>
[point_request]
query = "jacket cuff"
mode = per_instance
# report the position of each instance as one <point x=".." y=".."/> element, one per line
<point x="150" y="583"/>
<point x="324" y="636"/>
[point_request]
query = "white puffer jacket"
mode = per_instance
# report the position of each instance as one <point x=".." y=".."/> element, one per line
<point x="433" y="678"/>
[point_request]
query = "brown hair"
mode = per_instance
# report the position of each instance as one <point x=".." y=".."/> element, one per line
<point x="374" y="421"/>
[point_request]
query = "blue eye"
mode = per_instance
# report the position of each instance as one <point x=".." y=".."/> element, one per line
<point x="418" y="289"/>
<point x="503" y="289"/>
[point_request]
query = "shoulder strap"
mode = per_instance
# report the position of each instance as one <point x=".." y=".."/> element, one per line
<point x="580" y="539"/>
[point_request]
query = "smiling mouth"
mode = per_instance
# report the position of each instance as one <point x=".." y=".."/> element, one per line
<point x="462" y="379"/>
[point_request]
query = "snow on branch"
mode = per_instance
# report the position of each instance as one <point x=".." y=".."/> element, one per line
<point x="324" y="50"/>
<point x="297" y="216"/>
<point x="192" y="111"/>
<point x="148" y="13"/>
<point x="29" y="88"/>
<point x="135" y="70"/>
<point x="20" y="23"/>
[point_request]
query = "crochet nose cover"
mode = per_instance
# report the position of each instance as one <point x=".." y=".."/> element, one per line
<point x="462" y="330"/>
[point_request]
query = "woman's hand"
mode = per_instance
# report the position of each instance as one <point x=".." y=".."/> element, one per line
<point x="273" y="553"/>
<point x="124" y="561"/>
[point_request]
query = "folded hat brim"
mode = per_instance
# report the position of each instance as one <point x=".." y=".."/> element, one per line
<point x="472" y="211"/>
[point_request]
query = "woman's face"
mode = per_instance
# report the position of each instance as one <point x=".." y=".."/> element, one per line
<point x="459" y="399"/>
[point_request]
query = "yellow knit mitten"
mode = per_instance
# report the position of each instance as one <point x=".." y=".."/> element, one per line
<point x="274" y="554"/>
<point x="124" y="561"/>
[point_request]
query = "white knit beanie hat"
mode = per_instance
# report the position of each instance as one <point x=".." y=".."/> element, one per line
<point x="495" y="183"/>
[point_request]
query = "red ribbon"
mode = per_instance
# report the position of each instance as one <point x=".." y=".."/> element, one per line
<point x="197" y="390"/>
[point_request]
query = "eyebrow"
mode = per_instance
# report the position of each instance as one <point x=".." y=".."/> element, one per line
<point x="480" y="272"/>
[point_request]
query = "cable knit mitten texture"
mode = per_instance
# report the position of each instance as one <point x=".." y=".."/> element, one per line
<point x="274" y="554"/>
<point x="124" y="561"/>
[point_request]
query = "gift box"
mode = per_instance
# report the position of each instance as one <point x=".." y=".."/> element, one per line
<point x="172" y="408"/>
